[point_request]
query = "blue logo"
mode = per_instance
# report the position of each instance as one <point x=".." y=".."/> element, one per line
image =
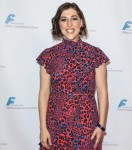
<point x="11" y="22"/>
<point x="127" y="25"/>
<point x="122" y="103"/>
<point x="10" y="101"/>
<point x="10" y="18"/>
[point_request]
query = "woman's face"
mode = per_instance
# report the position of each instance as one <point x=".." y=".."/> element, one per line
<point x="70" y="24"/>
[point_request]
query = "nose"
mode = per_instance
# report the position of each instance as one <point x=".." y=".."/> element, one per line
<point x="69" y="23"/>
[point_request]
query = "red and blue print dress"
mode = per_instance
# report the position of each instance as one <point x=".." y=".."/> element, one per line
<point x="72" y="112"/>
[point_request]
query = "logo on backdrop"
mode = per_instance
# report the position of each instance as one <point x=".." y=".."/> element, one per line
<point x="11" y="21"/>
<point x="127" y="27"/>
<point x="124" y="105"/>
<point x="12" y="104"/>
<point x="110" y="144"/>
<point x="10" y="18"/>
<point x="10" y="101"/>
<point x="115" y="69"/>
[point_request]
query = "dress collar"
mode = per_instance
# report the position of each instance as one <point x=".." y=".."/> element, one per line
<point x="71" y="43"/>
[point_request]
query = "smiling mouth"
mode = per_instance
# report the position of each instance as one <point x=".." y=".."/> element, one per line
<point x="70" y="30"/>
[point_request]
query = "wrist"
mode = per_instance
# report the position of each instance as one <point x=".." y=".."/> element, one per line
<point x="101" y="127"/>
<point x="43" y="127"/>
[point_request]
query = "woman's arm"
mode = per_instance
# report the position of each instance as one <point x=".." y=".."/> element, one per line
<point x="102" y="93"/>
<point x="44" y="93"/>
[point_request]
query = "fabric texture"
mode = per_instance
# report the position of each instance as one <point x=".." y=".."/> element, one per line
<point x="72" y="112"/>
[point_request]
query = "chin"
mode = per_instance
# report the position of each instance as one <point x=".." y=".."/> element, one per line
<point x="73" y="38"/>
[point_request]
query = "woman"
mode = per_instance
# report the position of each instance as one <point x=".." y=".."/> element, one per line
<point x="69" y="73"/>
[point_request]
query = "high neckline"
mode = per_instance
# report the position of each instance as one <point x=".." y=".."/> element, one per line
<point x="72" y="43"/>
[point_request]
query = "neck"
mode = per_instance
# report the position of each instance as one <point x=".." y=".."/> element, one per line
<point x="75" y="39"/>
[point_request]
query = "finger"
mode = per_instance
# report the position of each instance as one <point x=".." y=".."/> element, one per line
<point x="49" y="141"/>
<point x="48" y="146"/>
<point x="96" y="143"/>
<point x="44" y="143"/>
<point x="93" y="135"/>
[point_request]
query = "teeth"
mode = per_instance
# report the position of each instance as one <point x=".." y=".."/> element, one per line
<point x="70" y="30"/>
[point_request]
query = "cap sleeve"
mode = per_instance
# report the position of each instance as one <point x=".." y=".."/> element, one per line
<point x="99" y="57"/>
<point x="44" y="60"/>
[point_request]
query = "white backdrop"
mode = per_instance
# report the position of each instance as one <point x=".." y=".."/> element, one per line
<point x="25" y="31"/>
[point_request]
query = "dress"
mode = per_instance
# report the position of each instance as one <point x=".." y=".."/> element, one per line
<point x="72" y="112"/>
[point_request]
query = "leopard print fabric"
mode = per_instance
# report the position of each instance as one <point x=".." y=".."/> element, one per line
<point x="72" y="112"/>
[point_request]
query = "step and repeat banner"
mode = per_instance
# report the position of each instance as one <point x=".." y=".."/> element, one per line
<point x="25" y="31"/>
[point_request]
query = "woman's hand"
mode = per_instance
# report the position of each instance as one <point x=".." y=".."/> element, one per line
<point x="99" y="134"/>
<point x="45" y="138"/>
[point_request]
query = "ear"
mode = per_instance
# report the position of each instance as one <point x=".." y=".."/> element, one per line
<point x="81" y="25"/>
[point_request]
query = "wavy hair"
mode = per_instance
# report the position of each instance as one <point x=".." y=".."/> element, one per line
<point x="56" y="33"/>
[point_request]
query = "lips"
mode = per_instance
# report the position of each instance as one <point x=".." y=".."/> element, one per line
<point x="70" y="30"/>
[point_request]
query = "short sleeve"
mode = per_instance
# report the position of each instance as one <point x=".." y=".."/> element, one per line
<point x="44" y="60"/>
<point x="99" y="57"/>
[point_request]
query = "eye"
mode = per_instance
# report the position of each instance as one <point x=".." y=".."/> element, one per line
<point x="74" y="18"/>
<point x="63" y="19"/>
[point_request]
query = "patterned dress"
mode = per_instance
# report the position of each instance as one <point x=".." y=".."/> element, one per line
<point x="72" y="112"/>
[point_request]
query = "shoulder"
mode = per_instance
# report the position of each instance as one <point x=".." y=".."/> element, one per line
<point x="53" y="48"/>
<point x="90" y="48"/>
<point x="93" y="51"/>
<point x="49" y="52"/>
<point x="96" y="55"/>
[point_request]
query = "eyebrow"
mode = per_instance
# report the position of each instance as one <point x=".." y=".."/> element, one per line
<point x="71" y="16"/>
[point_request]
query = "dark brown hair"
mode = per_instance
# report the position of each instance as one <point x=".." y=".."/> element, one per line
<point x="56" y="33"/>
